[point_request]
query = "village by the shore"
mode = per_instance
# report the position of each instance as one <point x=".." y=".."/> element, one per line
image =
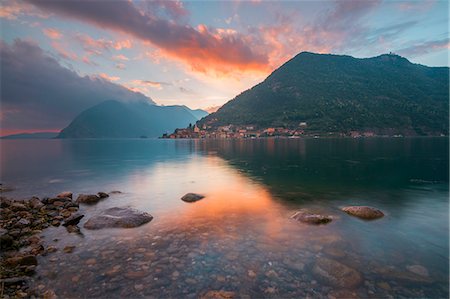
<point x="253" y="131"/>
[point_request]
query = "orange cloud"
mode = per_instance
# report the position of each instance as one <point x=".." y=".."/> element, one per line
<point x="148" y="83"/>
<point x="96" y="46"/>
<point x="52" y="33"/>
<point x="203" y="49"/>
<point x="107" y="77"/>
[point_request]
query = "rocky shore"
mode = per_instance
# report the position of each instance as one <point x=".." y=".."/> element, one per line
<point x="22" y="222"/>
<point x="172" y="261"/>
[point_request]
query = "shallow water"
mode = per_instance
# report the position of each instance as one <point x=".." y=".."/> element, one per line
<point x="240" y="238"/>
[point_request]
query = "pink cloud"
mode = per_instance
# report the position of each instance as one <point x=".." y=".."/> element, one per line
<point x="120" y="57"/>
<point x="201" y="49"/>
<point x="425" y="47"/>
<point x="109" y="78"/>
<point x="63" y="52"/>
<point x="52" y="33"/>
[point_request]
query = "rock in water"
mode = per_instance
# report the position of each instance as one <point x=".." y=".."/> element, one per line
<point x="118" y="217"/>
<point x="102" y="194"/>
<point x="419" y="270"/>
<point x="88" y="198"/>
<point x="67" y="194"/>
<point x="73" y="219"/>
<point x="192" y="197"/>
<point x="363" y="212"/>
<point x="218" y="295"/>
<point x="309" y="218"/>
<point x="336" y="273"/>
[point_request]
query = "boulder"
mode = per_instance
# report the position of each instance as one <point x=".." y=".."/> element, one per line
<point x="118" y="217"/>
<point x="218" y="295"/>
<point x="6" y="241"/>
<point x="336" y="274"/>
<point x="102" y="194"/>
<point x="88" y="198"/>
<point x="309" y="218"/>
<point x="17" y="206"/>
<point x="418" y="269"/>
<point x="4" y="188"/>
<point x="402" y="275"/>
<point x="363" y="212"/>
<point x="22" y="260"/>
<point x="35" y="203"/>
<point x="65" y="194"/>
<point x="192" y="197"/>
<point x="73" y="219"/>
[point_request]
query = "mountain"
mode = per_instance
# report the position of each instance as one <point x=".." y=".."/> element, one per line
<point x="198" y="113"/>
<point x="39" y="135"/>
<point x="114" y="119"/>
<point x="335" y="93"/>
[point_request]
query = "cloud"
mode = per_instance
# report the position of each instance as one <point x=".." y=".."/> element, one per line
<point x="200" y="49"/>
<point x="187" y="90"/>
<point x="11" y="10"/>
<point x="107" y="77"/>
<point x="52" y="33"/>
<point x="149" y="83"/>
<point x="120" y="66"/>
<point x="38" y="93"/>
<point x="63" y="52"/>
<point x="96" y="46"/>
<point x="120" y="57"/>
<point x="422" y="48"/>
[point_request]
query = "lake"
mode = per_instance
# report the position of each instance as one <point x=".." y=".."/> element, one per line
<point x="240" y="240"/>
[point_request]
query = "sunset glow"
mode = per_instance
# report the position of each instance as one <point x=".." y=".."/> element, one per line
<point x="199" y="54"/>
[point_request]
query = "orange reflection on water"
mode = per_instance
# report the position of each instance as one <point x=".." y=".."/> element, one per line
<point x="233" y="203"/>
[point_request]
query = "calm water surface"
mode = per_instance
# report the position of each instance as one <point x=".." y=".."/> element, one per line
<point x="240" y="238"/>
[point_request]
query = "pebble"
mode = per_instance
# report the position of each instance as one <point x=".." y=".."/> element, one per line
<point x="69" y="249"/>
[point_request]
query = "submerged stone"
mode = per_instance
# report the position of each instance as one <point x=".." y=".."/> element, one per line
<point x="74" y="219"/>
<point x="336" y="274"/>
<point x="401" y="275"/>
<point x="118" y="217"/>
<point x="88" y="198"/>
<point x="102" y="194"/>
<point x="218" y="295"/>
<point x="67" y="194"/>
<point x="418" y="269"/>
<point x="192" y="197"/>
<point x="363" y="212"/>
<point x="309" y="218"/>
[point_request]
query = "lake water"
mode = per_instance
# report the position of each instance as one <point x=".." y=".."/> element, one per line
<point x="240" y="237"/>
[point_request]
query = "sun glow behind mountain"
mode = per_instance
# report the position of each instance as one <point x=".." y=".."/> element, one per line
<point x="198" y="54"/>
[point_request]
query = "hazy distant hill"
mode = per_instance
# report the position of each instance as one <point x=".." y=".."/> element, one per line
<point x="198" y="113"/>
<point x="334" y="93"/>
<point x="39" y="135"/>
<point x="113" y="119"/>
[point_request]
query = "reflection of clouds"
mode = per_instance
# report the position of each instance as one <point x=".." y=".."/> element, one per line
<point x="231" y="198"/>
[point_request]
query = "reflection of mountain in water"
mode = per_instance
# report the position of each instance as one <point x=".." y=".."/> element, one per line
<point x="337" y="165"/>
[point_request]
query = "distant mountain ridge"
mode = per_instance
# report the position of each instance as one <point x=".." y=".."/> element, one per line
<point x="114" y="119"/>
<point x="38" y="135"/>
<point x="336" y="93"/>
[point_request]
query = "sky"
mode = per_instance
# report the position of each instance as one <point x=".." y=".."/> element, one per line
<point x="59" y="58"/>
